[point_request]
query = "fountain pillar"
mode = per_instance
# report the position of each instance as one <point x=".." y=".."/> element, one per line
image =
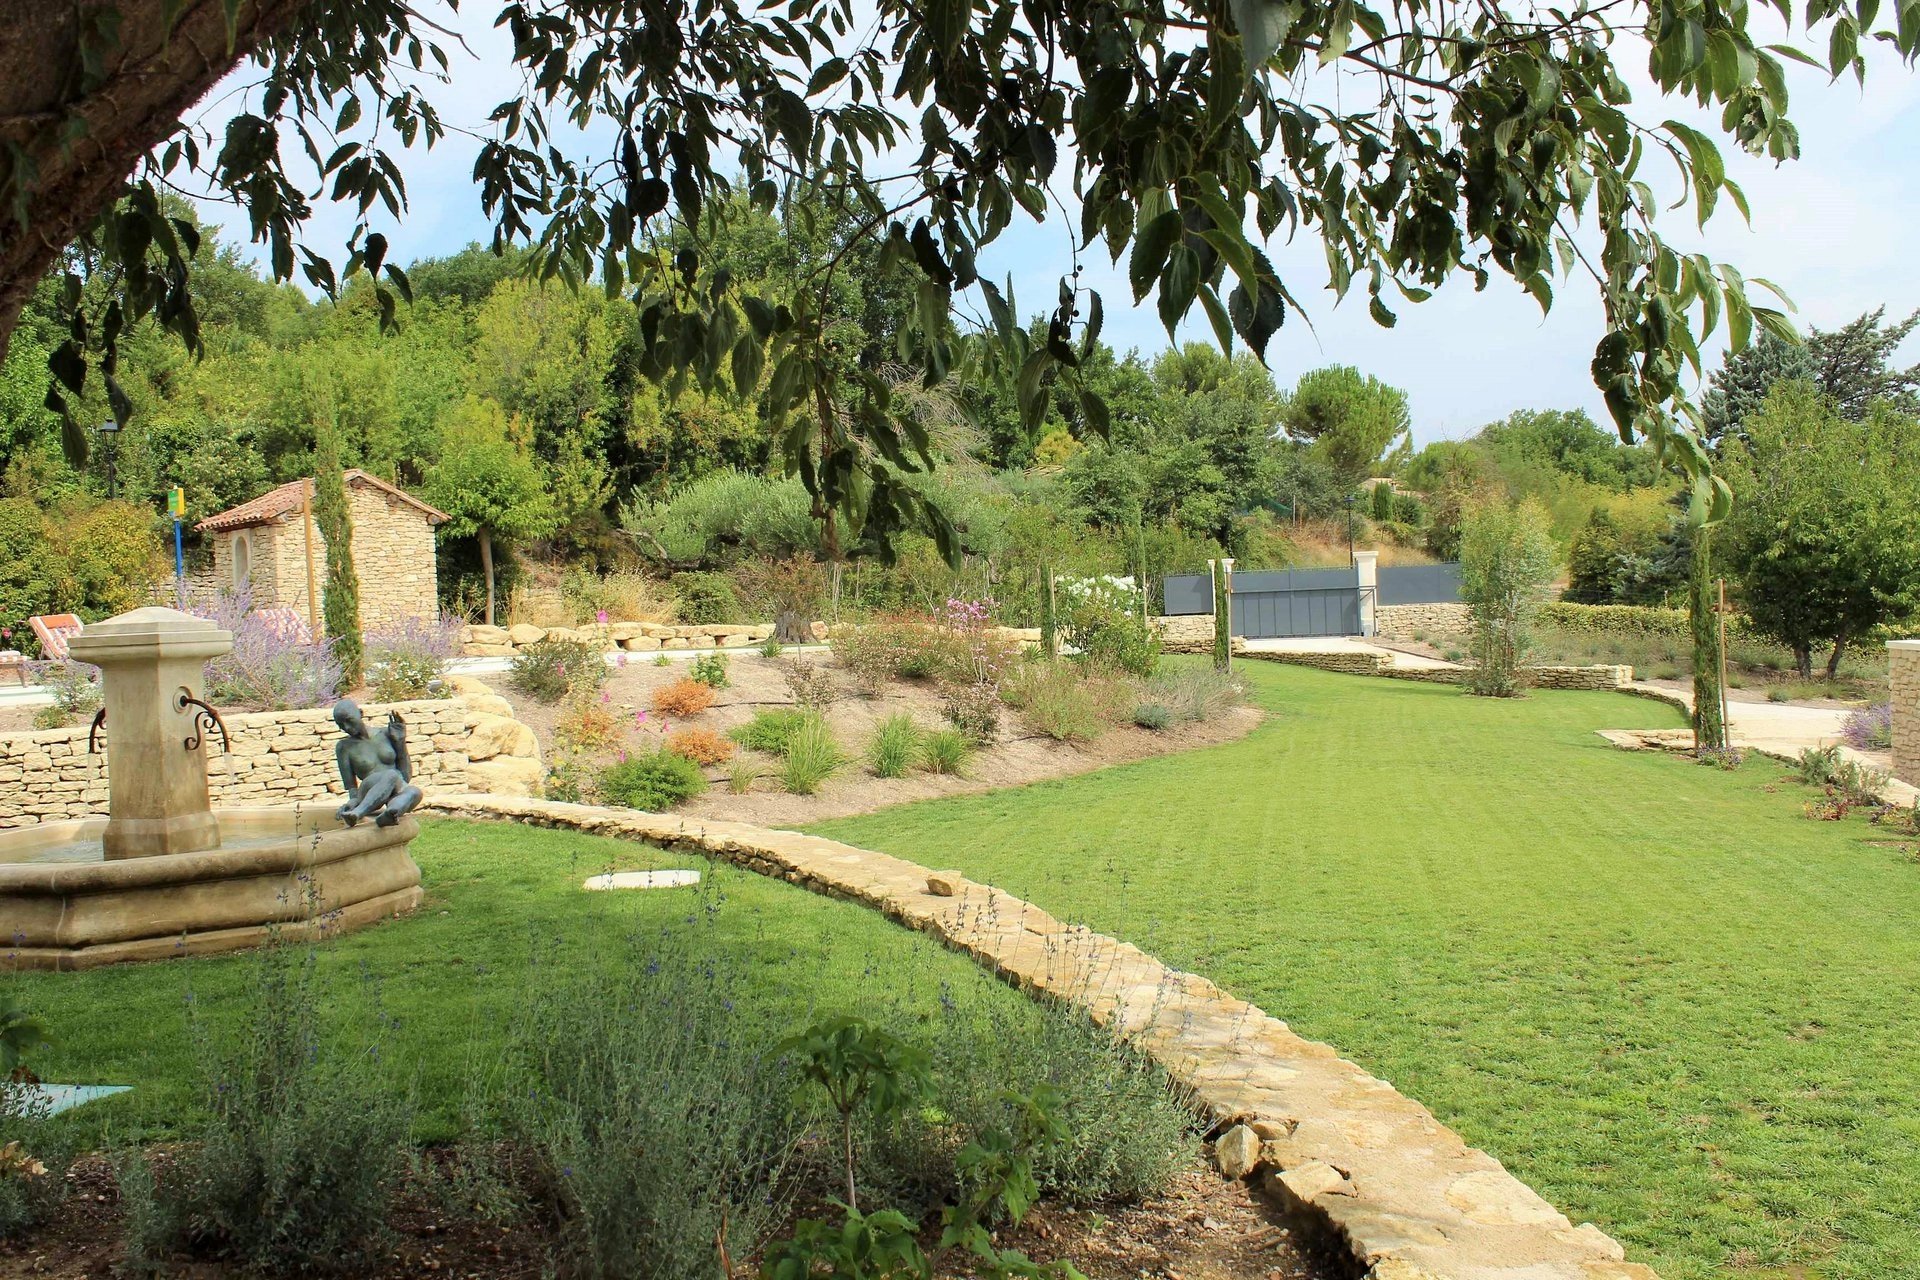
<point x="150" y="660"/>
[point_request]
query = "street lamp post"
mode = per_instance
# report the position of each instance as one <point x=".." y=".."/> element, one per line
<point x="109" y="437"/>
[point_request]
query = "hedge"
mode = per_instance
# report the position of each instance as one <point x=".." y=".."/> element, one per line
<point x="1628" y="620"/>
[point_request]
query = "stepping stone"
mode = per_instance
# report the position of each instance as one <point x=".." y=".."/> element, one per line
<point x="642" y="880"/>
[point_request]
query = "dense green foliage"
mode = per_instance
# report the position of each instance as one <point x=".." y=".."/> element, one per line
<point x="1826" y="535"/>
<point x="652" y="780"/>
<point x="1655" y="992"/>
<point x="1456" y="145"/>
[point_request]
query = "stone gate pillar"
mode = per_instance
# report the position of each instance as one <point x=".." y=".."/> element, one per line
<point x="1903" y="675"/>
<point x="1366" y="571"/>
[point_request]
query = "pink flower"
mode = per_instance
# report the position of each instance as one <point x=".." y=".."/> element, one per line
<point x="599" y="615"/>
<point x="639" y="718"/>
<point x="605" y="697"/>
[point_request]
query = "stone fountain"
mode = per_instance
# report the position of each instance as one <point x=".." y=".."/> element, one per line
<point x="164" y="873"/>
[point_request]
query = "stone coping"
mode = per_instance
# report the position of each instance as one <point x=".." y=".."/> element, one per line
<point x="1406" y="1195"/>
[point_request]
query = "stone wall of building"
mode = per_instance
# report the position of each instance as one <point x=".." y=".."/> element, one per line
<point x="393" y="556"/>
<point x="1903" y="674"/>
<point x="469" y="743"/>
<point x="1449" y="621"/>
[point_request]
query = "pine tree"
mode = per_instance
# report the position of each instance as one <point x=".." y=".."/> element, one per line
<point x="342" y="611"/>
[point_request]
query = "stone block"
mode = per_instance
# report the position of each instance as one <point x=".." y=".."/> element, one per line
<point x="640" y="644"/>
<point x="525" y="633"/>
<point x="1237" y="1152"/>
<point x="506" y="776"/>
<point x="496" y="736"/>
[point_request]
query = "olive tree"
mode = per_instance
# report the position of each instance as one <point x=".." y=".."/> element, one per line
<point x="1418" y="142"/>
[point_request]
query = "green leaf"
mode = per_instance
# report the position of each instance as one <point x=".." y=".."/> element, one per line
<point x="1178" y="285"/>
<point x="1262" y="25"/>
<point x="1150" y="248"/>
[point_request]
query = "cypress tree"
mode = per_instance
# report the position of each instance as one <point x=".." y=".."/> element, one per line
<point x="341" y="614"/>
<point x="1222" y="617"/>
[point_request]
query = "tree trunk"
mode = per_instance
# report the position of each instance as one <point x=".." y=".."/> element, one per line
<point x="789" y="627"/>
<point x="1833" y="662"/>
<point x="152" y="78"/>
<point x="1803" y="661"/>
<point x="1709" y="725"/>
<point x="486" y="569"/>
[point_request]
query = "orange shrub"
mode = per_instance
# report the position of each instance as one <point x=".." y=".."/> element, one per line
<point x="702" y="746"/>
<point x="683" y="697"/>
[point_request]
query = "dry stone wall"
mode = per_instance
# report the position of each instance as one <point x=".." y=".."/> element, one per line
<point x="1903" y="673"/>
<point x="1449" y="621"/>
<point x="1185" y="633"/>
<point x="635" y="637"/>
<point x="470" y="743"/>
<point x="1363" y="663"/>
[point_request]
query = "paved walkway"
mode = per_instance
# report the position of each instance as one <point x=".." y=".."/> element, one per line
<point x="1771" y="728"/>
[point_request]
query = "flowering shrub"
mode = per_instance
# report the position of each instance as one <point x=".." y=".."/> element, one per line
<point x="1869" y="728"/>
<point x="1101" y="619"/>
<point x="409" y="660"/>
<point x="274" y="665"/>
<point x="549" y="669"/>
<point x="973" y="709"/>
<point x="683" y="697"/>
<point x="702" y="746"/>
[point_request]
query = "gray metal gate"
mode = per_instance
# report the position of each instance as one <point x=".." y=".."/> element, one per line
<point x="1296" y="602"/>
<point x="1274" y="603"/>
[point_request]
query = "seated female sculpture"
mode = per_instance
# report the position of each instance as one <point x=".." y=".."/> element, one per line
<point x="374" y="768"/>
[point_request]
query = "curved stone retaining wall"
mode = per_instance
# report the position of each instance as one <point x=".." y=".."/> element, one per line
<point x="1410" y="1199"/>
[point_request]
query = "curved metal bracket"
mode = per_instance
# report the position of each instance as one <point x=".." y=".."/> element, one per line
<point x="93" y="731"/>
<point x="204" y="718"/>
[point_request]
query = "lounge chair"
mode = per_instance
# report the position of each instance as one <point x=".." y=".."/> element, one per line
<point x="54" y="630"/>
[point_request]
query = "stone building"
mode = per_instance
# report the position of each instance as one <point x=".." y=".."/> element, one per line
<point x="272" y="547"/>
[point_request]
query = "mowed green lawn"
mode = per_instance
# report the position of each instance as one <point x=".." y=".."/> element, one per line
<point x="504" y="914"/>
<point x="1654" y="989"/>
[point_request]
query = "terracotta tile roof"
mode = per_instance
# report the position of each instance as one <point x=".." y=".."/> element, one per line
<point x="285" y="500"/>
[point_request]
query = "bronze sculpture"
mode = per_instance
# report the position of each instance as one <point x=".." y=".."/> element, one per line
<point x="374" y="768"/>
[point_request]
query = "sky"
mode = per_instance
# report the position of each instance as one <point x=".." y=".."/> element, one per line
<point x="1836" y="230"/>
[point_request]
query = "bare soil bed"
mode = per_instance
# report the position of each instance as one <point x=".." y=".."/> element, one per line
<point x="1203" y="1228"/>
<point x="757" y="683"/>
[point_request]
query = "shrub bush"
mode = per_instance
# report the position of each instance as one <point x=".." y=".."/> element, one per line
<point x="1126" y="1134"/>
<point x="682" y="697"/>
<point x="706" y="598"/>
<point x="1102" y="621"/>
<point x="945" y="751"/>
<point x="973" y="708"/>
<point x="651" y="780"/>
<point x="810" y="684"/>
<point x="770" y="731"/>
<point x="304" y="1142"/>
<point x="1055" y="699"/>
<point x="1869" y="728"/>
<point x="1196" y="693"/>
<point x="711" y="670"/>
<point x="658" y="1121"/>
<point x="546" y="669"/>
<point x="273" y="665"/>
<point x="1630" y="620"/>
<point x="409" y="660"/>
<point x="1152" y="715"/>
<point x="75" y="689"/>
<point x="743" y="773"/>
<point x="812" y="756"/>
<point x="894" y="747"/>
<point x="702" y="746"/>
<point x="622" y="597"/>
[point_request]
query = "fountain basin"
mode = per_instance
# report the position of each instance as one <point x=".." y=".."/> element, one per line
<point x="291" y="870"/>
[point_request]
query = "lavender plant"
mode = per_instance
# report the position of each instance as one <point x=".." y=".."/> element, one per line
<point x="1870" y="728"/>
<point x="409" y="659"/>
<point x="275" y="665"/>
